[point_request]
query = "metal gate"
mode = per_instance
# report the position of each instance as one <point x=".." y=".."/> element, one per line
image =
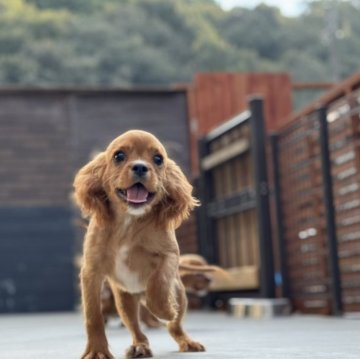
<point x="234" y="217"/>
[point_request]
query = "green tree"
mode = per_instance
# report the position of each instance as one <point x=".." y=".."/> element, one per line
<point x="123" y="42"/>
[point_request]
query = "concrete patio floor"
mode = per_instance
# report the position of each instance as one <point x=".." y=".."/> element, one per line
<point x="61" y="336"/>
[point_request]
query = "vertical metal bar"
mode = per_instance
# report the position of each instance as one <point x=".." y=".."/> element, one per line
<point x="206" y="235"/>
<point x="267" y="284"/>
<point x="274" y="140"/>
<point x="330" y="213"/>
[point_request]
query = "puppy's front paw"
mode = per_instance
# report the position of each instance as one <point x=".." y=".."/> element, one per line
<point x="190" y="346"/>
<point x="93" y="354"/>
<point x="139" y="351"/>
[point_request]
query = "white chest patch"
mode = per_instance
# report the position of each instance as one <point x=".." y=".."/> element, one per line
<point x="127" y="278"/>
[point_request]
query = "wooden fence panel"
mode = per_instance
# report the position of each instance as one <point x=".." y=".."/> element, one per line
<point x="343" y="117"/>
<point x="45" y="136"/>
<point x="234" y="224"/>
<point x="304" y="222"/>
<point x="322" y="234"/>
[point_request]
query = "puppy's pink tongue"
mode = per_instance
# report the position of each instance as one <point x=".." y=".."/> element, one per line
<point x="137" y="194"/>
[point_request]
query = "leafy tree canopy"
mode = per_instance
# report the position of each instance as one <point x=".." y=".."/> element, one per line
<point x="122" y="42"/>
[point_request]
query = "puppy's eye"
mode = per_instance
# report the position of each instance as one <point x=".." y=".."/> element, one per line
<point x="158" y="160"/>
<point x="119" y="156"/>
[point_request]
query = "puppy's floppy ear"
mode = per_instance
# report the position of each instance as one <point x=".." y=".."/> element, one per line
<point x="178" y="201"/>
<point x="90" y="194"/>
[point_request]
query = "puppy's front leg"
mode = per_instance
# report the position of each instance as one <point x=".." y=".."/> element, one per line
<point x="97" y="346"/>
<point x="160" y="291"/>
<point x="128" y="307"/>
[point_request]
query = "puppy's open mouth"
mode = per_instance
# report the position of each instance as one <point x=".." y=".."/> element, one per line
<point x="137" y="195"/>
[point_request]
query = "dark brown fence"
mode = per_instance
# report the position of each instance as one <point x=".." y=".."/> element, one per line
<point x="234" y="220"/>
<point x="318" y="193"/>
<point x="303" y="214"/>
<point x="344" y="130"/>
<point x="45" y="136"/>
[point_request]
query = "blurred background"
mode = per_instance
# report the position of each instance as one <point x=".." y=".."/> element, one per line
<point x="278" y="175"/>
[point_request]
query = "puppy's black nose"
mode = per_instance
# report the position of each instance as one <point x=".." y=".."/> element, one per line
<point x="139" y="169"/>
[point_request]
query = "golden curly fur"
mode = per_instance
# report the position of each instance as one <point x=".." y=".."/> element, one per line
<point x="135" y="197"/>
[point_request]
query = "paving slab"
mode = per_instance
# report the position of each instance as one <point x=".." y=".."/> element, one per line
<point x="61" y="336"/>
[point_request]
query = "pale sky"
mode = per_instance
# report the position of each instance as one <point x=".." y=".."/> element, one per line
<point x="287" y="7"/>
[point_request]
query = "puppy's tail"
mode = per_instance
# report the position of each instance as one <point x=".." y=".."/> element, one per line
<point x="202" y="268"/>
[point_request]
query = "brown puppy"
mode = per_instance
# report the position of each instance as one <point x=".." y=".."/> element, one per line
<point x="135" y="197"/>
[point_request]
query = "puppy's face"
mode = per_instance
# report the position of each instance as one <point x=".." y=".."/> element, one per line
<point x="136" y="162"/>
<point x="134" y="175"/>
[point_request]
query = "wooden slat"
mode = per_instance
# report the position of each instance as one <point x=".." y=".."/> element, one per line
<point x="225" y="154"/>
<point x="239" y="278"/>
<point x="238" y="174"/>
<point x="254" y="239"/>
<point x="221" y="242"/>
<point x="232" y="242"/>
<point x="243" y="240"/>
<point x="313" y="85"/>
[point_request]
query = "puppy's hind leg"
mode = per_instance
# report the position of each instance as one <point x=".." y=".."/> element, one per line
<point x="148" y="318"/>
<point x="186" y="344"/>
<point x="128" y="307"/>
